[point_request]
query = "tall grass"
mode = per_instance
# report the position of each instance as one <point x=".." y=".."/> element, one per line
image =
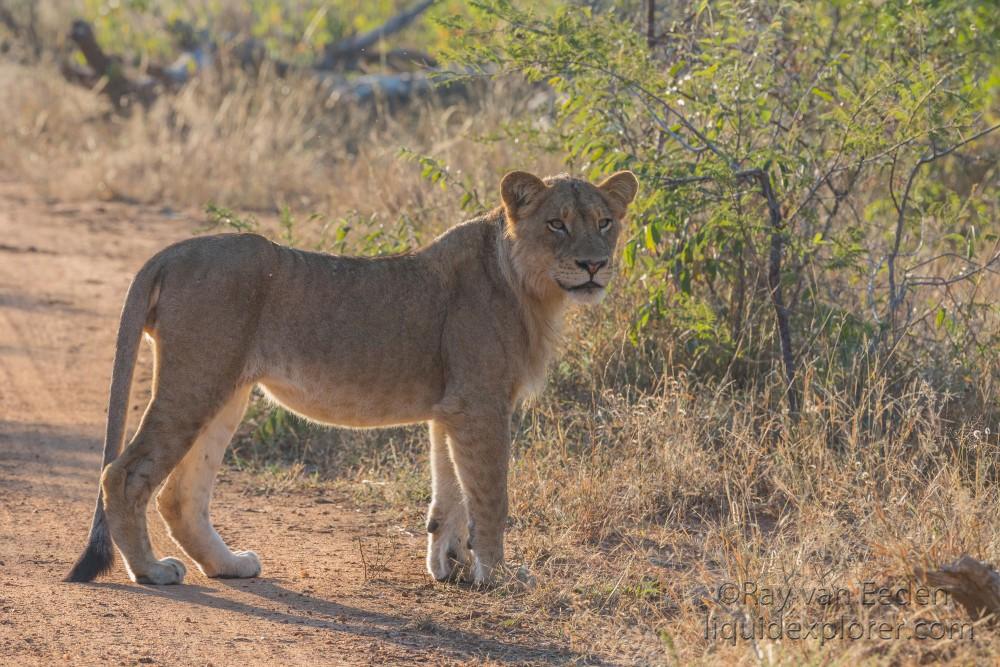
<point x="250" y="143"/>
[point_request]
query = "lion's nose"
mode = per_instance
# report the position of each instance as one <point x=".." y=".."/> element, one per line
<point x="591" y="266"/>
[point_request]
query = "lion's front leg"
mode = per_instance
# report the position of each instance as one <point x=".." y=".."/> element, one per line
<point x="448" y="555"/>
<point x="479" y="446"/>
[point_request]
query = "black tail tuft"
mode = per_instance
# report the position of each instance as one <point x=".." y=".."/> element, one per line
<point x="97" y="559"/>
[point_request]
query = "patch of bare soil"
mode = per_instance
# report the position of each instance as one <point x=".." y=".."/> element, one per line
<point x="64" y="270"/>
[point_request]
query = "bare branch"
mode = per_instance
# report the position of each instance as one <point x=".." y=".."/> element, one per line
<point x="938" y="281"/>
<point x="352" y="47"/>
<point x="896" y="292"/>
<point x="667" y="130"/>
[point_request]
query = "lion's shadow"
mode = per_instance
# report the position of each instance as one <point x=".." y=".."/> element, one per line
<point x="310" y="611"/>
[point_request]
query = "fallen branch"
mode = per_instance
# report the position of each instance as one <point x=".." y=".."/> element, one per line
<point x="346" y="52"/>
<point x="393" y="89"/>
<point x="400" y="60"/>
<point x="973" y="584"/>
<point x="107" y="72"/>
<point x="371" y="87"/>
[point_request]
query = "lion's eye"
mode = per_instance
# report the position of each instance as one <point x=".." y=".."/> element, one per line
<point x="604" y="224"/>
<point x="557" y="225"/>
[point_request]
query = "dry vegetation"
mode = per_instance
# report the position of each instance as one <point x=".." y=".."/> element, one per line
<point x="251" y="144"/>
<point x="638" y="486"/>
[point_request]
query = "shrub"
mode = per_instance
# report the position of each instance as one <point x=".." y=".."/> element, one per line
<point x="820" y="182"/>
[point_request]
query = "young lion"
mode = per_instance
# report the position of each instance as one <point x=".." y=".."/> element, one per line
<point x="452" y="334"/>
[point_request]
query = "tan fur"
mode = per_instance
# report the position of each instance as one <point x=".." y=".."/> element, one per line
<point x="452" y="334"/>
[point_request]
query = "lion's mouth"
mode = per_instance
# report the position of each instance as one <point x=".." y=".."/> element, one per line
<point x="589" y="286"/>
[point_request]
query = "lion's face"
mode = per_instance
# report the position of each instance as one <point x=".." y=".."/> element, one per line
<point x="565" y="230"/>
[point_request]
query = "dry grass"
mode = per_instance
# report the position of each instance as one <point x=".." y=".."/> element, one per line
<point x="635" y="508"/>
<point x="637" y="491"/>
<point x="254" y="145"/>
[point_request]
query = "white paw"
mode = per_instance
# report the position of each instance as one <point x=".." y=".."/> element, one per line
<point x="448" y="555"/>
<point x="482" y="574"/>
<point x="242" y="565"/>
<point x="163" y="572"/>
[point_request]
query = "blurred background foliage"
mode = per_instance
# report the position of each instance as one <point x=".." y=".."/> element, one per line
<point x="291" y="29"/>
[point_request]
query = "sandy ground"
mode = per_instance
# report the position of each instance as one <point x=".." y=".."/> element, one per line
<point x="64" y="269"/>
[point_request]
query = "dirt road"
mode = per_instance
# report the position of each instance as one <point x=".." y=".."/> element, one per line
<point x="64" y="269"/>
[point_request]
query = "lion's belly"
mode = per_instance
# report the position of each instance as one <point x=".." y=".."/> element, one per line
<point x="358" y="404"/>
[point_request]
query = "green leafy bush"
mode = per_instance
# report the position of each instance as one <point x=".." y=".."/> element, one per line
<point x="829" y="168"/>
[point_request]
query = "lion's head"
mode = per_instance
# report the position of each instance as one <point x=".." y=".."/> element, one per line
<point x="564" y="230"/>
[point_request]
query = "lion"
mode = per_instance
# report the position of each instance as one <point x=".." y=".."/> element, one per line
<point x="453" y="334"/>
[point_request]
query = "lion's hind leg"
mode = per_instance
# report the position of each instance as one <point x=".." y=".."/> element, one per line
<point x="128" y="482"/>
<point x="184" y="500"/>
<point x="191" y="384"/>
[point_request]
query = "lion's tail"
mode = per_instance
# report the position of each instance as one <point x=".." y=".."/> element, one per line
<point x="99" y="555"/>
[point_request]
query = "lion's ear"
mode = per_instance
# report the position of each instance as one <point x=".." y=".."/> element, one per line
<point x="518" y="189"/>
<point x="620" y="189"/>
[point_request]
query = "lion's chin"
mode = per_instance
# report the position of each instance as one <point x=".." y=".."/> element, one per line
<point x="587" y="296"/>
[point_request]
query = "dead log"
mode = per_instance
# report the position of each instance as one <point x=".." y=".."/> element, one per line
<point x="345" y="53"/>
<point x="369" y="88"/>
<point x="252" y="55"/>
<point x="400" y="60"/>
<point x="182" y="70"/>
<point x="394" y="90"/>
<point x="108" y="71"/>
<point x="108" y="74"/>
<point x="79" y="74"/>
<point x="973" y="584"/>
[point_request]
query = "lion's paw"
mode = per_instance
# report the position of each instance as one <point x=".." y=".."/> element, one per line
<point x="448" y="555"/>
<point x="242" y="565"/>
<point x="165" y="572"/>
<point x="484" y="575"/>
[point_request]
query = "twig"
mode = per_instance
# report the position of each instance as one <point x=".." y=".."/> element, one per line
<point x="896" y="293"/>
<point x="937" y="281"/>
